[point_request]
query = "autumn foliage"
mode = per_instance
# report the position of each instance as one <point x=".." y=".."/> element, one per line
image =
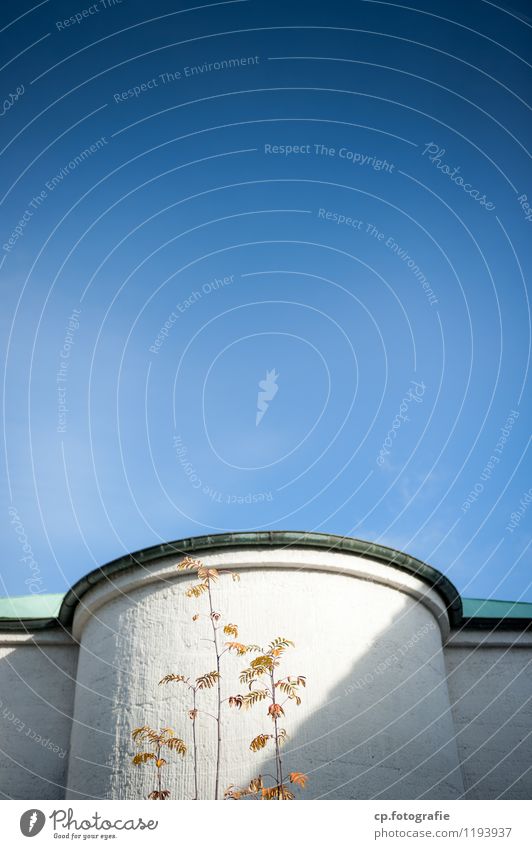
<point x="263" y="686"/>
<point x="153" y="743"/>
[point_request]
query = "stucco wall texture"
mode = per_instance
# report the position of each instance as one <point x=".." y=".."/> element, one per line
<point x="398" y="705"/>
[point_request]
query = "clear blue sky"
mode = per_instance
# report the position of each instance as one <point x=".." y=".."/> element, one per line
<point x="328" y="198"/>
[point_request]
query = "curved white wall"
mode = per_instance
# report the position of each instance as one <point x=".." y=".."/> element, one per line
<point x="37" y="677"/>
<point x="375" y="719"/>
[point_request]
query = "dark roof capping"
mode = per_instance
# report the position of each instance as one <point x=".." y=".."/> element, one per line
<point x="485" y="614"/>
<point x="279" y="539"/>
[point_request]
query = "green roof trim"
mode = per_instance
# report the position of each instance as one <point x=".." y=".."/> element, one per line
<point x="36" y="606"/>
<point x="496" y="609"/>
<point x="56" y="610"/>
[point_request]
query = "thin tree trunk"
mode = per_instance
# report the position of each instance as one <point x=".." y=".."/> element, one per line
<point x="195" y="747"/>
<point x="278" y="764"/>
<point x="219" y="693"/>
<point x="159" y="772"/>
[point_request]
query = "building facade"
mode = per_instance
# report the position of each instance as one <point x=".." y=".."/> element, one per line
<point x="412" y="692"/>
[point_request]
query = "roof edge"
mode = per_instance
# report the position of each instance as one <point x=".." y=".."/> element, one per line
<point x="458" y="618"/>
<point x="283" y="539"/>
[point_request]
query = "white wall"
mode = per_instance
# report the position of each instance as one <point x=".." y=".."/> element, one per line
<point x="387" y="712"/>
<point x="376" y="714"/>
<point x="490" y="682"/>
<point x="37" y="681"/>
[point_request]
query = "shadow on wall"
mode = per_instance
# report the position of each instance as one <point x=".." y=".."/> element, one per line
<point x="385" y="730"/>
<point x="36" y="705"/>
<point x="375" y="721"/>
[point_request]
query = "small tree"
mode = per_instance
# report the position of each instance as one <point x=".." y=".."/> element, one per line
<point x="156" y="742"/>
<point x="207" y="577"/>
<point x="262" y="670"/>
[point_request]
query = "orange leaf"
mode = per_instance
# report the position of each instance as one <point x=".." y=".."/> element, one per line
<point x="259" y="742"/>
<point x="298" y="778"/>
<point x="275" y="711"/>
<point x="239" y="648"/>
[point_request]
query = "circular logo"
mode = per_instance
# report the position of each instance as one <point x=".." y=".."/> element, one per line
<point x="32" y="822"/>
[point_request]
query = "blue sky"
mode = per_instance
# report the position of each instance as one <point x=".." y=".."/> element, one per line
<point x="335" y="194"/>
